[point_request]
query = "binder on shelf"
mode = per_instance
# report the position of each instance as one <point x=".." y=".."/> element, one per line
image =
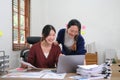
<point x="4" y="60"/>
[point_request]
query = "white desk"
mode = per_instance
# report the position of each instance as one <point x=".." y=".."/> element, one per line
<point x="115" y="75"/>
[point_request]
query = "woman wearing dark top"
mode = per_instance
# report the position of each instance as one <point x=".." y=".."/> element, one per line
<point x="44" y="54"/>
<point x="71" y="40"/>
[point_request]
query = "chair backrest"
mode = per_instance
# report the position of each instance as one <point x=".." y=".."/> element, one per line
<point x="31" y="40"/>
<point x="24" y="54"/>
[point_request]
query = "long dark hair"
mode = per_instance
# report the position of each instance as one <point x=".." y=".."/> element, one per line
<point x="46" y="30"/>
<point x="74" y="22"/>
<point x="74" y="46"/>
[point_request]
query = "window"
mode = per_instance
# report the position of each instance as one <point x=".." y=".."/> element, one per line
<point x="20" y="23"/>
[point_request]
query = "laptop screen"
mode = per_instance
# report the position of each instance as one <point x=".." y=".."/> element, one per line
<point x="68" y="64"/>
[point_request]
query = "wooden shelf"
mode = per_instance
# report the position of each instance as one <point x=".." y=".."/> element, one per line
<point x="91" y="58"/>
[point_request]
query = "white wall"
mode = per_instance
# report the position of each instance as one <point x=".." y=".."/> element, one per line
<point x="6" y="28"/>
<point x="101" y="18"/>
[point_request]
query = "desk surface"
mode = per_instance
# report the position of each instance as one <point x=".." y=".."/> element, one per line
<point x="115" y="75"/>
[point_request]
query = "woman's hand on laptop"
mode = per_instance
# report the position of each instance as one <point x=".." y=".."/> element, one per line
<point x="61" y="54"/>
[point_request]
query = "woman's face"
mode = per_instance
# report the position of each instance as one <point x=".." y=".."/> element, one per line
<point x="73" y="31"/>
<point x="51" y="37"/>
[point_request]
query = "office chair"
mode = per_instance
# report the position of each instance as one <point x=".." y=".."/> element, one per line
<point x="24" y="52"/>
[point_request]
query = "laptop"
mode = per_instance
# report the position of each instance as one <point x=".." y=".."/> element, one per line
<point x="68" y="64"/>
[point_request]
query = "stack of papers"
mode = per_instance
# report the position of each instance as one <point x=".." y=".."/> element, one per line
<point x="90" y="71"/>
<point x="78" y="77"/>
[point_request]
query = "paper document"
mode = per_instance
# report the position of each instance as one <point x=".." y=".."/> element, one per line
<point x="42" y="74"/>
<point x="28" y="64"/>
<point x="87" y="66"/>
<point x="89" y="69"/>
<point x="86" y="78"/>
<point x="23" y="75"/>
<point x="48" y="74"/>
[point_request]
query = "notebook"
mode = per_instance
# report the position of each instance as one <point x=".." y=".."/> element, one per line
<point x="68" y="64"/>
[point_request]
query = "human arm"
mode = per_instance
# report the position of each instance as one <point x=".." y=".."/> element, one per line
<point x="30" y="59"/>
<point x="58" y="53"/>
<point x="31" y="56"/>
<point x="60" y="36"/>
<point x="25" y="64"/>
